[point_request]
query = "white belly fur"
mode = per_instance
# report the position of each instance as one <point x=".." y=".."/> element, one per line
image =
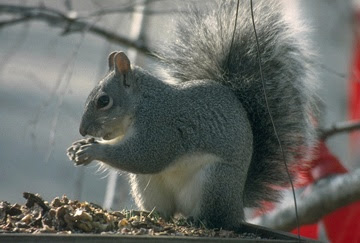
<point x="178" y="189"/>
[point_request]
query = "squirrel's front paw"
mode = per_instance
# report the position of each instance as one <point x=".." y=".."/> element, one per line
<point x="82" y="152"/>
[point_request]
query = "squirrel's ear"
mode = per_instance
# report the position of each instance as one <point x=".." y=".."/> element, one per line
<point x="122" y="63"/>
<point x="111" y="60"/>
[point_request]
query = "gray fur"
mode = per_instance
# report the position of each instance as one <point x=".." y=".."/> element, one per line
<point x="205" y="146"/>
<point x="202" y="51"/>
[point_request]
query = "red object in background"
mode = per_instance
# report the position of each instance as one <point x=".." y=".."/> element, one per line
<point x="341" y="226"/>
<point x="354" y="88"/>
<point x="323" y="165"/>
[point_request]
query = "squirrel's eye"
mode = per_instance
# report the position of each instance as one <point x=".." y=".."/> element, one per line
<point x="104" y="102"/>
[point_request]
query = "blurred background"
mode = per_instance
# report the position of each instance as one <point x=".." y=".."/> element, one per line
<point x="49" y="64"/>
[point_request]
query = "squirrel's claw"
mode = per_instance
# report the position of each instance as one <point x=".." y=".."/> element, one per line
<point x="83" y="154"/>
<point x="71" y="152"/>
<point x="84" y="141"/>
<point x="79" y="151"/>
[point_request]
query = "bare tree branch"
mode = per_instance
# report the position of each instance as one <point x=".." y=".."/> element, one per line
<point x="14" y="21"/>
<point x="340" y="127"/>
<point x="325" y="196"/>
<point x="68" y="21"/>
<point x="125" y="9"/>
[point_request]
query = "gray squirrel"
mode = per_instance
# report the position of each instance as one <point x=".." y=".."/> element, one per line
<point x="197" y="139"/>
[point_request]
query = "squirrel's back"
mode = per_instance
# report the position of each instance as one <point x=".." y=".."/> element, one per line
<point x="204" y="50"/>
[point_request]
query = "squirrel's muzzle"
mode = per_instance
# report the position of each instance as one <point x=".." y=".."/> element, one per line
<point x="83" y="129"/>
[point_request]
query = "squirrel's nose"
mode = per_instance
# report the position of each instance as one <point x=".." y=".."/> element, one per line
<point x="83" y="130"/>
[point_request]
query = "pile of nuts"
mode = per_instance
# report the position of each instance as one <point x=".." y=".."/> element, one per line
<point x="65" y="216"/>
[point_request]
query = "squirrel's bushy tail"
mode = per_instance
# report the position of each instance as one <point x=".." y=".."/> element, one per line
<point x="202" y="51"/>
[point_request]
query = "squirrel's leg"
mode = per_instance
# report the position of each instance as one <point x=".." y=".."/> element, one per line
<point x="213" y="194"/>
<point x="178" y="188"/>
<point x="150" y="193"/>
<point x="222" y="201"/>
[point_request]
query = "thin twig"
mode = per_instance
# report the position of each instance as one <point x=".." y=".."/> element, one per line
<point x="68" y="22"/>
<point x="126" y="9"/>
<point x="340" y="127"/>
<point x="14" y="21"/>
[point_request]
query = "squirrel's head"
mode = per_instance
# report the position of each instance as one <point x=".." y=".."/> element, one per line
<point x="110" y="106"/>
